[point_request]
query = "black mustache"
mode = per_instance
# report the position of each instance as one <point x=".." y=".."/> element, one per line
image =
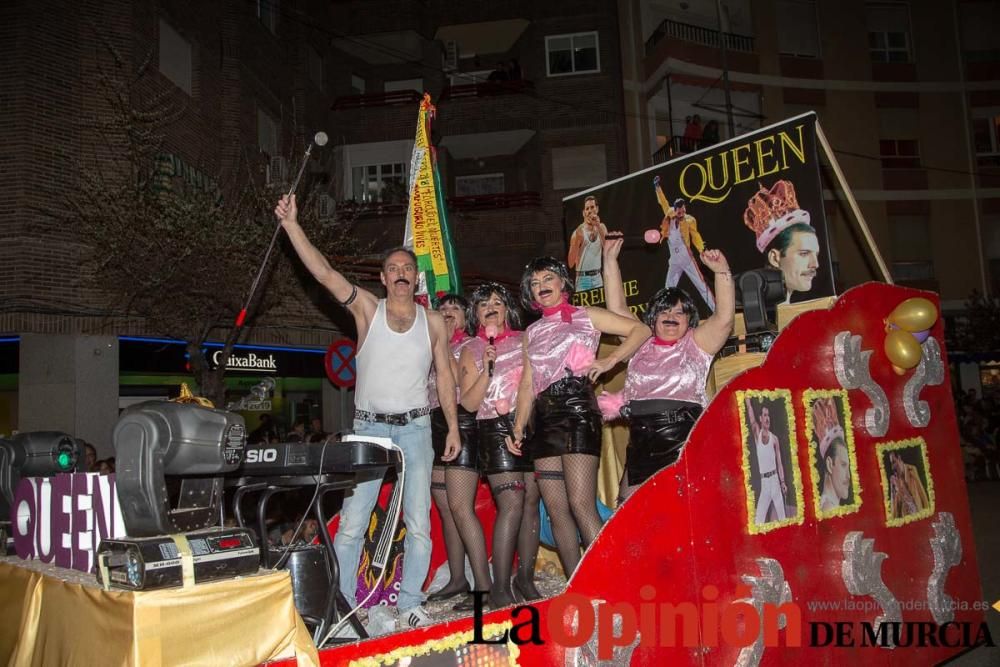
<point x="670" y="322"/>
<point x="491" y="314"/>
<point x="543" y="292"/>
<point x="401" y="280"/>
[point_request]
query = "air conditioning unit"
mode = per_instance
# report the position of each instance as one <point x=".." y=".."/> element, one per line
<point x="450" y="56"/>
<point x="277" y="171"/>
<point x="326" y="207"/>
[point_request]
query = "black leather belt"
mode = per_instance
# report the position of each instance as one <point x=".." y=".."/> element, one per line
<point x="392" y="419"/>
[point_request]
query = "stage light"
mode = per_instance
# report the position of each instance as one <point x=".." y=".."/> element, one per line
<point x="760" y="290"/>
<point x="35" y="454"/>
<point x="159" y="438"/>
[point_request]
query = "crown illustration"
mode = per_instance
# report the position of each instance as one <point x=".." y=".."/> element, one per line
<point x="769" y="212"/>
<point x="826" y="424"/>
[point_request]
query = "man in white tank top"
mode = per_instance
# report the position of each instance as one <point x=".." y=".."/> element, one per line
<point x="772" y="473"/>
<point x="397" y="343"/>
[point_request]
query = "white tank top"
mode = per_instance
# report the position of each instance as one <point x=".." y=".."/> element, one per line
<point x="765" y="455"/>
<point x="393" y="367"/>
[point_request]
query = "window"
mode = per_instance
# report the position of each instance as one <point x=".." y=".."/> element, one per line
<point x="267" y="13"/>
<point x="480" y="184"/>
<point x="384" y="183"/>
<point x="357" y="85"/>
<point x="316" y="68"/>
<point x="986" y="138"/>
<point x="910" y="239"/>
<point x="578" y="167"/>
<point x="798" y="32"/>
<point x="899" y="153"/>
<point x="175" y="57"/>
<point x="889" y="33"/>
<point x="978" y="22"/>
<point x="267" y="133"/>
<point x="572" y="54"/>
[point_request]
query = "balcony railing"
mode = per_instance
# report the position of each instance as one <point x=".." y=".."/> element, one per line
<point x="366" y="210"/>
<point x="679" y="146"/>
<point x="377" y="100"/>
<point x="487" y="89"/>
<point x="495" y="201"/>
<point x="697" y="34"/>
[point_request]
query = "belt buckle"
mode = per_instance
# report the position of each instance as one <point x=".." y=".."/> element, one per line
<point x="396" y="419"/>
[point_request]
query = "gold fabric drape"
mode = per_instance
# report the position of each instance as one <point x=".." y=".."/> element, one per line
<point x="51" y="616"/>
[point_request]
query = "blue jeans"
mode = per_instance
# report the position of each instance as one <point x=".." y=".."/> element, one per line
<point x="418" y="456"/>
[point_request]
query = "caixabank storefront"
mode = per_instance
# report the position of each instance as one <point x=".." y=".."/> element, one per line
<point x="287" y="383"/>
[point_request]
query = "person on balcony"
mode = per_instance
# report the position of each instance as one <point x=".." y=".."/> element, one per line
<point x="585" y="247"/>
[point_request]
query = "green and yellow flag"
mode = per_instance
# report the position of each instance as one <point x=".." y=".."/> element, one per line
<point x="427" y="232"/>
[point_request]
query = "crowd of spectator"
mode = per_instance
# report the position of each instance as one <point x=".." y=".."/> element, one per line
<point x="978" y="431"/>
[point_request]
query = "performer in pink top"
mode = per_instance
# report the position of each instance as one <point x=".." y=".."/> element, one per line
<point x="490" y="369"/>
<point x="560" y="365"/>
<point x="665" y="385"/>
<point x="455" y="482"/>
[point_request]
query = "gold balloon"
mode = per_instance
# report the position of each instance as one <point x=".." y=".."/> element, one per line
<point x="902" y="349"/>
<point x="916" y="314"/>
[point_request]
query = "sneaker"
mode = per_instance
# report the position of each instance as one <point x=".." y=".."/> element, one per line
<point x="414" y="618"/>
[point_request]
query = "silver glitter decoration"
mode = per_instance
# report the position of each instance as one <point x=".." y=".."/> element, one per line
<point x="586" y="655"/>
<point x="861" y="570"/>
<point x="770" y="588"/>
<point x="930" y="370"/>
<point x="851" y="365"/>
<point x="946" y="545"/>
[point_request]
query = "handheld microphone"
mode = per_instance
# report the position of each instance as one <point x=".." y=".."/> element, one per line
<point x="491" y="333"/>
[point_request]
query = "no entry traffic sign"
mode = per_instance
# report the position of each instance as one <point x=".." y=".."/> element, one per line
<point x="341" y="363"/>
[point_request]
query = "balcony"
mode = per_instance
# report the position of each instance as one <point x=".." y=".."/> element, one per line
<point x="487" y="89"/>
<point x="495" y="201"/>
<point x="679" y="146"/>
<point x="698" y="35"/>
<point x="367" y="101"/>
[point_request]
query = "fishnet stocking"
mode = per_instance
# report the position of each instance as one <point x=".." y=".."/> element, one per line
<point x="580" y="471"/>
<point x="553" y="492"/>
<point x="463" y="484"/>
<point x="452" y="540"/>
<point x="624" y="489"/>
<point x="508" y="493"/>
<point x="527" y="540"/>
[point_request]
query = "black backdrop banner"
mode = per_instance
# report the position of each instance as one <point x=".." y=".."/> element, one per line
<point x="757" y="198"/>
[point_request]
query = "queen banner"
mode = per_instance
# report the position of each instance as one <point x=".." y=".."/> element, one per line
<point x="757" y="198"/>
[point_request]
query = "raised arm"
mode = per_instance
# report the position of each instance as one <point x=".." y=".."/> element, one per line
<point x="614" y="289"/>
<point x="713" y="333"/>
<point x="633" y="332"/>
<point x="668" y="210"/>
<point x="445" y="382"/>
<point x="364" y="303"/>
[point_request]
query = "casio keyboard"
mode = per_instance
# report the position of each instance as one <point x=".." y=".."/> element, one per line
<point x="270" y="469"/>
<point x="303" y="458"/>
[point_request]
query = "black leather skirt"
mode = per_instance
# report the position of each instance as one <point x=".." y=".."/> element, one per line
<point x="657" y="431"/>
<point x="494" y="457"/>
<point x="468" y="431"/>
<point x="567" y="420"/>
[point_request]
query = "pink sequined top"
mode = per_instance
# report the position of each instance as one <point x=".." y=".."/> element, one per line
<point x="456" y="345"/>
<point x="677" y="372"/>
<point x="507" y="371"/>
<point x="550" y="340"/>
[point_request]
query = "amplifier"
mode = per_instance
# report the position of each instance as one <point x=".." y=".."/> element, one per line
<point x="145" y="563"/>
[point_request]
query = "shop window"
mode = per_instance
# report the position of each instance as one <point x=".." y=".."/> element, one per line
<point x="572" y="54"/>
